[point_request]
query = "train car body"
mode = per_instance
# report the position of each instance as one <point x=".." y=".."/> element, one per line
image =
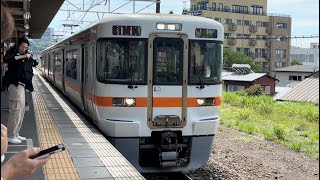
<point x="150" y="82"/>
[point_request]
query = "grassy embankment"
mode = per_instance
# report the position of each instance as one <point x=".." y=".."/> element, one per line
<point x="293" y="124"/>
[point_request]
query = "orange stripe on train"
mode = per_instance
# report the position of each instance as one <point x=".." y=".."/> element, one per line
<point x="157" y="102"/>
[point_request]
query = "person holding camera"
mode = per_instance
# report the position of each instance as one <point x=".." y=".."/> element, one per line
<point x="19" y="165"/>
<point x="18" y="78"/>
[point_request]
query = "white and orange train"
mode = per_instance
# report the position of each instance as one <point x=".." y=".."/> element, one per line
<point x="150" y="82"/>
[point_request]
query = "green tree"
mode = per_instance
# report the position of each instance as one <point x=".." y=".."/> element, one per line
<point x="295" y="62"/>
<point x="230" y="57"/>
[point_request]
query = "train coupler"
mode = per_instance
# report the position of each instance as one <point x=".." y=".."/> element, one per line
<point x="169" y="159"/>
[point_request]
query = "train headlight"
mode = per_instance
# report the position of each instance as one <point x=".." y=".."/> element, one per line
<point x="205" y="101"/>
<point x="200" y="102"/>
<point x="171" y="27"/>
<point x="130" y="102"/>
<point x="122" y="102"/>
<point x="160" y="26"/>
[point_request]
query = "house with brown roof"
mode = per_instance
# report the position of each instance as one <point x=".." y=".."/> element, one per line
<point x="242" y="77"/>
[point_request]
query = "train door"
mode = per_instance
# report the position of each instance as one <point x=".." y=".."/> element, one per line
<point x="167" y="80"/>
<point x="63" y="72"/>
<point x="84" y="78"/>
<point x="87" y="92"/>
<point x="49" y="66"/>
<point x="54" y="63"/>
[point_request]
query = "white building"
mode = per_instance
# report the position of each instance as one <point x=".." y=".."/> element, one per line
<point x="307" y="56"/>
<point x="288" y="76"/>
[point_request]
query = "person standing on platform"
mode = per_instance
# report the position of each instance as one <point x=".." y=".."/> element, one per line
<point x="19" y="165"/>
<point x="19" y="77"/>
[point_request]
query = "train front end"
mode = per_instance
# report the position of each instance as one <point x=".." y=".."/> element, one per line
<point x="159" y="84"/>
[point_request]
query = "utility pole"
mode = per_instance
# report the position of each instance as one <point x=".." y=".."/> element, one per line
<point x="158" y="6"/>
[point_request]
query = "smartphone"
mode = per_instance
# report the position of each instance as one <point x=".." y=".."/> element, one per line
<point x="45" y="153"/>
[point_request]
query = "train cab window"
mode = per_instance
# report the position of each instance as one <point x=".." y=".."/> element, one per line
<point x="205" y="62"/>
<point x="121" y="61"/>
<point x="168" y="61"/>
<point x="71" y="64"/>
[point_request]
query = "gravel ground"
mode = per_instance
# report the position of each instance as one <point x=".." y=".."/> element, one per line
<point x="238" y="155"/>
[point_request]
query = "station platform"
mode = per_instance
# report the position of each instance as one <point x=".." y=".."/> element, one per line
<point x="50" y="120"/>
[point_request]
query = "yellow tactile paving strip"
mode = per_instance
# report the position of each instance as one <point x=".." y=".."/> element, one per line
<point x="108" y="154"/>
<point x="118" y="167"/>
<point x="60" y="166"/>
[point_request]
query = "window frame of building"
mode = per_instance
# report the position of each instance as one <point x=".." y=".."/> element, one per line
<point x="214" y="6"/>
<point x="240" y="9"/>
<point x="227" y="21"/>
<point x="233" y="88"/>
<point x="246" y="51"/>
<point x="258" y="52"/>
<point x="226" y="9"/>
<point x="246" y="22"/>
<point x="226" y="35"/>
<point x="280" y="53"/>
<point x="295" y="78"/>
<point x="239" y="49"/>
<point x="246" y="36"/>
<point x="266" y="89"/>
<point x="257" y="9"/>
<point x="193" y="8"/>
<point x="282" y="25"/>
<point x="265" y="24"/>
<point x="220" y="7"/>
<point x="259" y="23"/>
<point x="217" y="19"/>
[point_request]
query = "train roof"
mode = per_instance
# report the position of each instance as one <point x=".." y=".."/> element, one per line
<point x="148" y="17"/>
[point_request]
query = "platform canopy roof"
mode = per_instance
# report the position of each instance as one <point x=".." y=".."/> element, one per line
<point x="32" y="17"/>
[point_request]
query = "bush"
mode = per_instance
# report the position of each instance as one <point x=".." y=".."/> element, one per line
<point x="249" y="129"/>
<point x="279" y="132"/>
<point x="244" y="114"/>
<point x="296" y="146"/>
<point x="265" y="108"/>
<point x="267" y="134"/>
<point x="254" y="90"/>
<point x="301" y="126"/>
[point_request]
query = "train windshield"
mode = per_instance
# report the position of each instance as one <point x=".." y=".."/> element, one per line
<point x="205" y="62"/>
<point x="121" y="61"/>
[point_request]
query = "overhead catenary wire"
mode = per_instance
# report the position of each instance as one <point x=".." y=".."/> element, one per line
<point x="272" y="37"/>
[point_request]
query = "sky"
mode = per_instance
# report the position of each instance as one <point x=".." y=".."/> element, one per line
<point x="304" y="14"/>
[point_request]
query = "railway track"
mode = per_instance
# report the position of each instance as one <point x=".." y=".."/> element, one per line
<point x="166" y="176"/>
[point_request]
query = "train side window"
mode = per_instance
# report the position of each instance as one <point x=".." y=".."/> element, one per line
<point x="57" y="62"/>
<point x="71" y="64"/>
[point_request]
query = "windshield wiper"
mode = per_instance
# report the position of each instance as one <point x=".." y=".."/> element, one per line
<point x="199" y="76"/>
<point x="131" y="76"/>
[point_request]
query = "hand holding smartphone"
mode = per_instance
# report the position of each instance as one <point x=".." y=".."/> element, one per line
<point x="47" y="152"/>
